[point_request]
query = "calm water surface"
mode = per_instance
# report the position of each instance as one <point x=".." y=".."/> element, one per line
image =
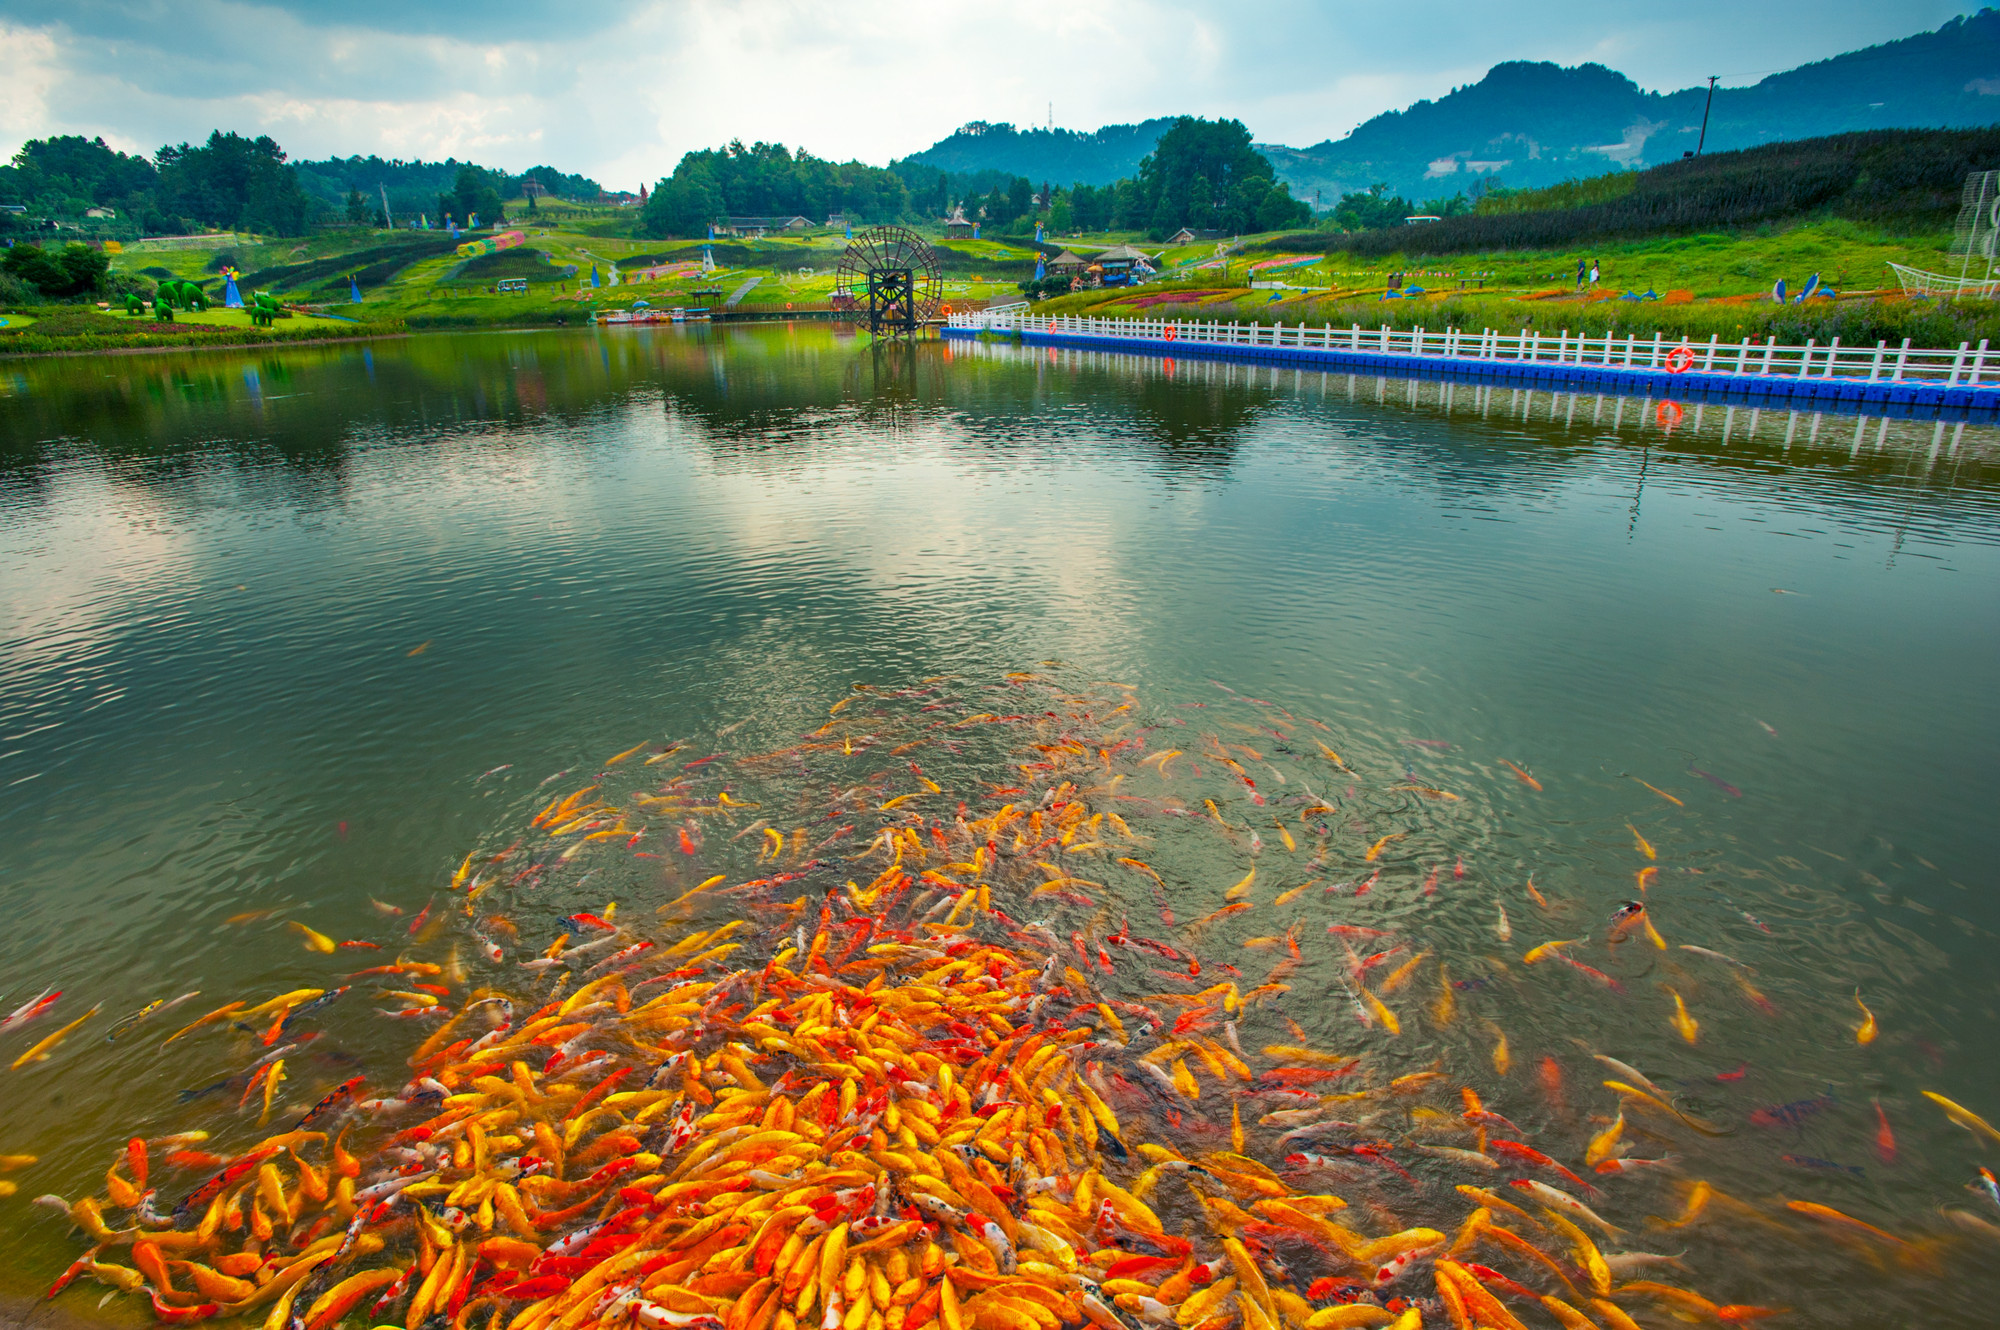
<point x="288" y="632"/>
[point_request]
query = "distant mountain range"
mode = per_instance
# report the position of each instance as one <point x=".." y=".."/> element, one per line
<point x="1530" y="124"/>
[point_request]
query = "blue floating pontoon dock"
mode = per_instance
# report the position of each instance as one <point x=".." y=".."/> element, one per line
<point x="1900" y="380"/>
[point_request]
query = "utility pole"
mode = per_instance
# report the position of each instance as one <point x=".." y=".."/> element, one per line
<point x="1704" y="114"/>
<point x="389" y="222"/>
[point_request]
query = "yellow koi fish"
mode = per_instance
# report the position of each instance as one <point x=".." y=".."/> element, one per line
<point x="315" y="941"/>
<point x="1376" y="849"/>
<point x="40" y="1052"/>
<point x="1446" y="1006"/>
<point x="1241" y="889"/>
<point x="1287" y="897"/>
<point x="1382" y="1012"/>
<point x="1864" y="1033"/>
<point x="1964" y="1117"/>
<point x="1605" y="1144"/>
<point x="1401" y="974"/>
<point x="1662" y="793"/>
<point x="1685" y="1025"/>
<point x="1639" y="842"/>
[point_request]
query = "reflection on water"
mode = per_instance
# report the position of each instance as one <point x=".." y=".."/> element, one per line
<point x="265" y="620"/>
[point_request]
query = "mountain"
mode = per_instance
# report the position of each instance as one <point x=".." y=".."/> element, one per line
<point x="1064" y="156"/>
<point x="1537" y="124"/>
<point x="1532" y="124"/>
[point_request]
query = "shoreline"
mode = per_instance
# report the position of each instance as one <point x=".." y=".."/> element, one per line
<point x="208" y="346"/>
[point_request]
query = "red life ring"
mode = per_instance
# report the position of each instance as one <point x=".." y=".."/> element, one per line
<point x="1172" y="333"/>
<point x="1680" y="358"/>
<point x="1052" y="325"/>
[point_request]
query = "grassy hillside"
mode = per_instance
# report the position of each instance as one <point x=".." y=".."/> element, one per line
<point x="1905" y="180"/>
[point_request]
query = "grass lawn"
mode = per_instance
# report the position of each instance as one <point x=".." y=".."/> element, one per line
<point x="1715" y="282"/>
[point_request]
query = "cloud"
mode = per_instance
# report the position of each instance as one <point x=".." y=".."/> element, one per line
<point x="620" y="89"/>
<point x="28" y="72"/>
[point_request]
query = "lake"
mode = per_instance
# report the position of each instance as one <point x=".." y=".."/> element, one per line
<point x="286" y="633"/>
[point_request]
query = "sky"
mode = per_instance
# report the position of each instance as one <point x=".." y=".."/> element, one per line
<point x="620" y="89"/>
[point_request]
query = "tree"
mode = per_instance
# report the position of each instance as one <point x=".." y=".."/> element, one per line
<point x="1020" y="197"/>
<point x="769" y="179"/>
<point x="357" y="208"/>
<point x="232" y="181"/>
<point x="77" y="270"/>
<point x="476" y="192"/>
<point x="62" y="176"/>
<point x="1371" y="210"/>
<point x="1206" y="174"/>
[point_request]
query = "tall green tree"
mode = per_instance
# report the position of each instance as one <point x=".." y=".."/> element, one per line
<point x="769" y="180"/>
<point x="76" y="270"/>
<point x="233" y="181"/>
<point x="62" y="176"/>
<point x="1205" y="174"/>
<point x="476" y="192"/>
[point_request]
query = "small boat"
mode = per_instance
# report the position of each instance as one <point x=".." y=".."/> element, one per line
<point x="636" y="316"/>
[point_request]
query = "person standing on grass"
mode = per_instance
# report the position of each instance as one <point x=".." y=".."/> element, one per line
<point x="1593" y="274"/>
<point x="1581" y="273"/>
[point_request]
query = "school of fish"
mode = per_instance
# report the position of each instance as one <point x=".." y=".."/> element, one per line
<point x="875" y="1054"/>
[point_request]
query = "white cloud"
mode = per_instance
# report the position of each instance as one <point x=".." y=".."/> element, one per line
<point x="621" y="91"/>
<point x="28" y="71"/>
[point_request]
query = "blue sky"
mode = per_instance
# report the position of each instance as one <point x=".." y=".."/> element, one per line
<point x="619" y="89"/>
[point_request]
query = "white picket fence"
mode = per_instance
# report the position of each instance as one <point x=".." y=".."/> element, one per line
<point x="1967" y="366"/>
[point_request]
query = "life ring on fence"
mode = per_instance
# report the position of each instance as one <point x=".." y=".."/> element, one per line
<point x="1052" y="325"/>
<point x="1171" y="333"/>
<point x="1680" y="358"/>
<point x="788" y="304"/>
<point x="1668" y="414"/>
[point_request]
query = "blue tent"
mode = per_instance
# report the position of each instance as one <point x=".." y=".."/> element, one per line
<point x="231" y="297"/>
<point x="354" y="290"/>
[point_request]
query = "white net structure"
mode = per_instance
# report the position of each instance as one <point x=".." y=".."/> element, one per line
<point x="1975" y="242"/>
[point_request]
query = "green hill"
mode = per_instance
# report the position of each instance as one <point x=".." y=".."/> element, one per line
<point x="1536" y="124"/>
<point x="1904" y="180"/>
<point x="1533" y="123"/>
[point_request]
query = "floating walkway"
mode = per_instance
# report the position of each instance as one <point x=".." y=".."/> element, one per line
<point x="1898" y="380"/>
